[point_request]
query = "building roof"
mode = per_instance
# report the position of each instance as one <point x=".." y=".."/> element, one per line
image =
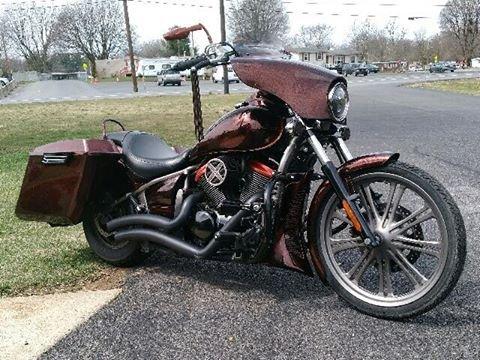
<point x="340" y="51"/>
<point x="306" y="50"/>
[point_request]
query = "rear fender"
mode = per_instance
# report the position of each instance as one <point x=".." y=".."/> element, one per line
<point x="369" y="161"/>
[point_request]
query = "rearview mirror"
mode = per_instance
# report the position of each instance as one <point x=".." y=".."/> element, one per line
<point x="177" y="34"/>
<point x="180" y="33"/>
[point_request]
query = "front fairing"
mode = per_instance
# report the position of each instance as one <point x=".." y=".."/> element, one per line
<point x="302" y="86"/>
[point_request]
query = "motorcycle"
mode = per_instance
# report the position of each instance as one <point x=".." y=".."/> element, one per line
<point x="385" y="235"/>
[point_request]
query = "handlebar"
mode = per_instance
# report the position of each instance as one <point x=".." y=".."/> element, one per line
<point x="198" y="62"/>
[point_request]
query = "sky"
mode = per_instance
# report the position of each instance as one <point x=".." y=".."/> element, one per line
<point x="152" y="18"/>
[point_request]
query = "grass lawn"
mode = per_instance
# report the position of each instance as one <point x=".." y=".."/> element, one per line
<point x="464" y="86"/>
<point x="35" y="258"/>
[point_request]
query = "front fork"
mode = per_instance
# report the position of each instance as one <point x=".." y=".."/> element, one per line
<point x="349" y="203"/>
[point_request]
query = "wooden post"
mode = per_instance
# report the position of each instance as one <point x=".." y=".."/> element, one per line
<point x="223" y="33"/>
<point x="130" y="46"/>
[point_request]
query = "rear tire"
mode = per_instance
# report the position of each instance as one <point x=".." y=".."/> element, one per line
<point x="385" y="301"/>
<point x="124" y="254"/>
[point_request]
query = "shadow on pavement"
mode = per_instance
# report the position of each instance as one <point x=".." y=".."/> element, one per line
<point x="240" y="277"/>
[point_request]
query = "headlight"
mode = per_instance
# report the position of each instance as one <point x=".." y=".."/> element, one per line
<point x="338" y="102"/>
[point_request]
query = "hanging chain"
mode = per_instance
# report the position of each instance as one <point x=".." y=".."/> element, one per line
<point x="197" y="105"/>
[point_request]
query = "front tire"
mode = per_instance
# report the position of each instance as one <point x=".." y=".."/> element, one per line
<point x="418" y="263"/>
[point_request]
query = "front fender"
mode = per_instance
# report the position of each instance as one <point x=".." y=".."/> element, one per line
<point x="348" y="168"/>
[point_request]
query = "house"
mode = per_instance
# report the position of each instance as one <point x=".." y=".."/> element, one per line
<point x="325" y="56"/>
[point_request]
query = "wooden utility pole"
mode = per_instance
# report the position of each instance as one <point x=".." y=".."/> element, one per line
<point x="130" y="46"/>
<point x="223" y="33"/>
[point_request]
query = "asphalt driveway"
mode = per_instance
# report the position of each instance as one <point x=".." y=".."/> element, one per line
<point x="186" y="309"/>
<point x="73" y="90"/>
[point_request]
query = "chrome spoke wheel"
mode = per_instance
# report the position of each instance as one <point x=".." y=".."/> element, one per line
<point x="413" y="251"/>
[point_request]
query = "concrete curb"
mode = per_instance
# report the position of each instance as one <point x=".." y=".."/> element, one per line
<point x="30" y="325"/>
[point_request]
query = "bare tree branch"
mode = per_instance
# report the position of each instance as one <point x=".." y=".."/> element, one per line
<point x="32" y="32"/>
<point x="255" y="21"/>
<point x="95" y="29"/>
<point x="461" y="19"/>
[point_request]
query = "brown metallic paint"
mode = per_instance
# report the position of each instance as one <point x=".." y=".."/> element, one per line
<point x="302" y="86"/>
<point x="364" y="162"/>
<point x="57" y="194"/>
<point x="161" y="197"/>
<point x="249" y="128"/>
<point x="289" y="249"/>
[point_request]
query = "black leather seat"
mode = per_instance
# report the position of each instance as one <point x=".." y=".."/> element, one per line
<point x="148" y="156"/>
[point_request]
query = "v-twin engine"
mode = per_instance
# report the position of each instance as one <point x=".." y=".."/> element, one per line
<point x="231" y="179"/>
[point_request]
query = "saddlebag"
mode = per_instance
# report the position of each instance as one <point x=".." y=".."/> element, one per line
<point x="59" y="179"/>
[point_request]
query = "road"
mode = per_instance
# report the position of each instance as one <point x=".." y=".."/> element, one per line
<point x="175" y="308"/>
<point x="70" y="90"/>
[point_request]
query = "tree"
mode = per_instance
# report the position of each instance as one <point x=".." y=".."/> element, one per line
<point x="178" y="47"/>
<point x="153" y="49"/>
<point x="95" y="29"/>
<point x="161" y="48"/>
<point x="362" y="38"/>
<point x="461" y="19"/>
<point x="32" y="32"/>
<point x="257" y="21"/>
<point x="4" y="49"/>
<point x="380" y="44"/>
<point x="317" y="36"/>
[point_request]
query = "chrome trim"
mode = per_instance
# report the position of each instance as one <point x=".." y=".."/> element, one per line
<point x="160" y="179"/>
<point x="288" y="154"/>
<point x="144" y="187"/>
<point x="317" y="147"/>
<point x="56" y="159"/>
<point x="347" y="105"/>
<point x="344" y="149"/>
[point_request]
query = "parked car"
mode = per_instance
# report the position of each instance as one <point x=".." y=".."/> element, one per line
<point x="441" y="67"/>
<point x="3" y="81"/>
<point x="218" y="75"/>
<point x="372" y="68"/>
<point x="169" y="76"/>
<point x="415" y="68"/>
<point x="338" y="67"/>
<point x="354" y="69"/>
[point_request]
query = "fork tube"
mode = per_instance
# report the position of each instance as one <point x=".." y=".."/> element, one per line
<point x="343" y="149"/>
<point x="331" y="172"/>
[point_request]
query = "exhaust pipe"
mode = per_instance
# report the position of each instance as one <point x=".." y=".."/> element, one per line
<point x="157" y="221"/>
<point x="182" y="247"/>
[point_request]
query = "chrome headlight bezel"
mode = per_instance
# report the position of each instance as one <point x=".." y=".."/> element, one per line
<point x="338" y="116"/>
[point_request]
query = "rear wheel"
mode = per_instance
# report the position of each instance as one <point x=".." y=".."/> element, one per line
<point x="102" y="242"/>
<point x="423" y="243"/>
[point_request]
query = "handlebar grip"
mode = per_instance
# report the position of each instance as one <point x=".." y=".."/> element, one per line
<point x="188" y="64"/>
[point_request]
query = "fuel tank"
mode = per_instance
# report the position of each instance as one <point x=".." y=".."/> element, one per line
<point x="256" y="125"/>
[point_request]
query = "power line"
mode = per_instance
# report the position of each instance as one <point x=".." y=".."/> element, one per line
<point x="25" y="5"/>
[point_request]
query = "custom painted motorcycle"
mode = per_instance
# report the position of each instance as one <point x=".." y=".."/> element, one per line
<point x="386" y="236"/>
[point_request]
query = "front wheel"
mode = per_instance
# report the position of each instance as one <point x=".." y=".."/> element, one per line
<point x="423" y="246"/>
